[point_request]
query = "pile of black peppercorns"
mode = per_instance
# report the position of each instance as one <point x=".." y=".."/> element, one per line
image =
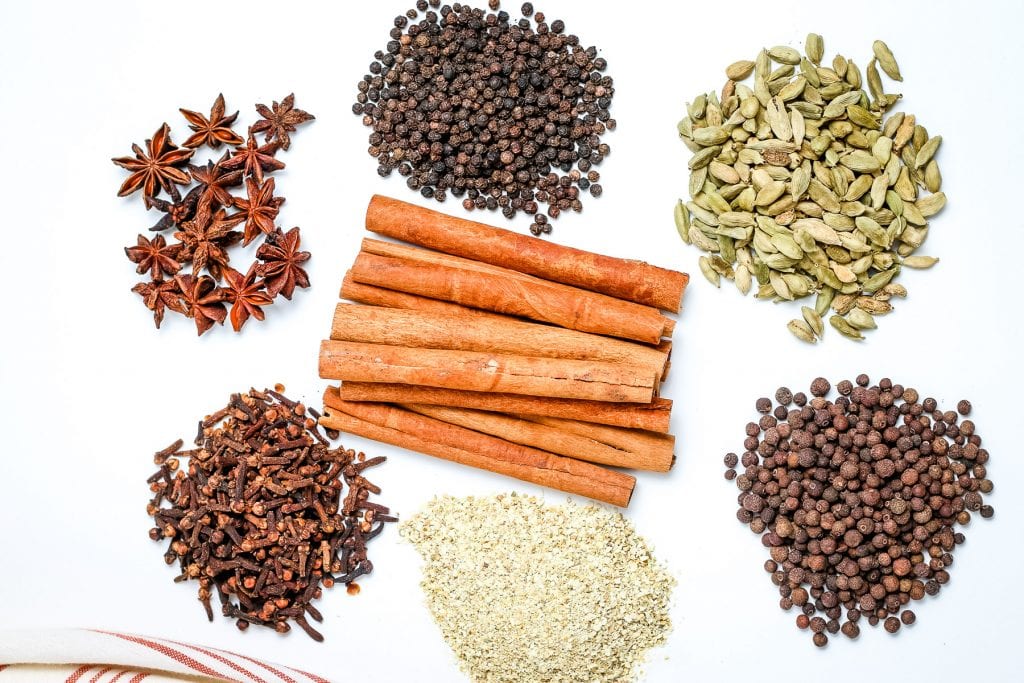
<point x="507" y="114"/>
<point x="856" y="499"/>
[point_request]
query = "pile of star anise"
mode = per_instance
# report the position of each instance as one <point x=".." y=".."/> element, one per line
<point x="205" y="218"/>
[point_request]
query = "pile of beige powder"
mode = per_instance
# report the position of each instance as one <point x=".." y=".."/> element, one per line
<point x="525" y="591"/>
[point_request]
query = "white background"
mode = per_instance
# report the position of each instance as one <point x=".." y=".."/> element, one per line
<point x="91" y="389"/>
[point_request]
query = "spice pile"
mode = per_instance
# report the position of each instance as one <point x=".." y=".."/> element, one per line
<point x="504" y="352"/>
<point x="260" y="515"/>
<point x="205" y="219"/>
<point x="520" y="595"/>
<point x="803" y="185"/>
<point x="495" y="110"/>
<point x="858" y="499"/>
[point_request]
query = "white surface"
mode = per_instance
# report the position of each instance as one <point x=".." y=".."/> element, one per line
<point x="91" y="389"/>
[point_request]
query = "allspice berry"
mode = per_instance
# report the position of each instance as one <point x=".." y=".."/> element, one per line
<point x="858" y="499"/>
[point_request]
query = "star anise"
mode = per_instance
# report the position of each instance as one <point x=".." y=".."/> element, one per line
<point x="176" y="211"/>
<point x="158" y="295"/>
<point x="260" y="209"/>
<point x="202" y="301"/>
<point x="281" y="269"/>
<point x="214" y="180"/>
<point x="254" y="160"/>
<point x="280" y="120"/>
<point x="156" y="257"/>
<point x="205" y="238"/>
<point x="246" y="295"/>
<point x="154" y="167"/>
<point x="214" y="130"/>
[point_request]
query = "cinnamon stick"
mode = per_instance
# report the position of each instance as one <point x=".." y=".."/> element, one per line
<point x="479" y="371"/>
<point x="625" y="279"/>
<point x="547" y="438"/>
<point x="409" y="430"/>
<point x="652" y="417"/>
<point x="497" y="334"/>
<point x="658" y="447"/>
<point x="379" y="296"/>
<point x="535" y="299"/>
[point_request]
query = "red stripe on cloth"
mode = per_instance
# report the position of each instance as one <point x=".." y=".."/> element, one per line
<point x="177" y="655"/>
<point x="224" y="660"/>
<point x="99" y="674"/>
<point x="139" y="677"/>
<point x="119" y="676"/>
<point x="313" y="677"/>
<point x="82" y="670"/>
<point x="280" y="674"/>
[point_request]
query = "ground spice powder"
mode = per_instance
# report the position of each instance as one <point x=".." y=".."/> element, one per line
<point x="525" y="591"/>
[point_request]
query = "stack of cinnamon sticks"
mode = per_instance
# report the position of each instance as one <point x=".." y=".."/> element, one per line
<point x="504" y="352"/>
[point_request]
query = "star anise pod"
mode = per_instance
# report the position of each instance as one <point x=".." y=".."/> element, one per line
<point x="176" y="211"/>
<point x="158" y="295"/>
<point x="156" y="257"/>
<point x="214" y="180"/>
<point x="205" y="238"/>
<point x="254" y="159"/>
<point x="214" y="130"/>
<point x="281" y="269"/>
<point x="246" y="295"/>
<point x="280" y="120"/>
<point x="202" y="301"/>
<point x="260" y="209"/>
<point x="154" y="167"/>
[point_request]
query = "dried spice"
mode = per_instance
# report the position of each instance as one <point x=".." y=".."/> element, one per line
<point x="804" y="184"/>
<point x="521" y="595"/>
<point x="265" y="513"/>
<point x="204" y="220"/>
<point x="858" y="500"/>
<point x="507" y="114"/>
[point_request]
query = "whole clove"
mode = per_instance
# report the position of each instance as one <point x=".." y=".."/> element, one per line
<point x="266" y="514"/>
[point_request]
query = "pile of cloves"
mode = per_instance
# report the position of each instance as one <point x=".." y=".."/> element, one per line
<point x="265" y="512"/>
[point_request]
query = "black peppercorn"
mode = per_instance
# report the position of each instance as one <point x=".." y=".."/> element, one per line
<point x="540" y="108"/>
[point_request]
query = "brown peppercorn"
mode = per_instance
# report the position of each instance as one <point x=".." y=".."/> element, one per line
<point x="820" y="639"/>
<point x="820" y="387"/>
<point x="908" y="617"/>
<point x="850" y="630"/>
<point x="763" y="405"/>
<point x="892" y="624"/>
<point x="802" y="621"/>
<point x="964" y="407"/>
<point x="784" y="396"/>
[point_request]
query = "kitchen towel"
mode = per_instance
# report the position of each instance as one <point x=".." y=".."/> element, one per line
<point x="93" y="656"/>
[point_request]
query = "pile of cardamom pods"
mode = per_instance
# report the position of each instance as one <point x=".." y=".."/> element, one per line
<point x="806" y="186"/>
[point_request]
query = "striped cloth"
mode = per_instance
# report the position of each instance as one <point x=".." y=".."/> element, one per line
<point x="90" y="656"/>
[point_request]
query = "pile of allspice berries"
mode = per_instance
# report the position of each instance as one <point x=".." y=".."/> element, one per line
<point x="803" y="184"/>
